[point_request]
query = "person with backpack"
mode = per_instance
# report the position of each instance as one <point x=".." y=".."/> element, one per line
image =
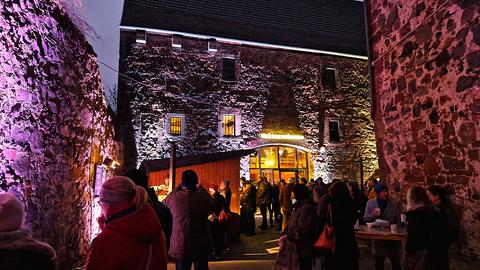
<point x="338" y="210"/>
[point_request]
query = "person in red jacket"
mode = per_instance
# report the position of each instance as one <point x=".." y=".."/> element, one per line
<point x="131" y="237"/>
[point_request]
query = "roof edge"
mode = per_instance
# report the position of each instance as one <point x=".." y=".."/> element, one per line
<point x="245" y="42"/>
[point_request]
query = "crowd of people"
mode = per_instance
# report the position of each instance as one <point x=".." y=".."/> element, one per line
<point x="191" y="226"/>
<point x="430" y="222"/>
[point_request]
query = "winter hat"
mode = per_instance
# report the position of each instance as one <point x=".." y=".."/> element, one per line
<point x="301" y="192"/>
<point x="11" y="213"/>
<point x="189" y="179"/>
<point x="380" y="187"/>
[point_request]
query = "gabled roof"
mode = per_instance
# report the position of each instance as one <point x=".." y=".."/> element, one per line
<point x="332" y="25"/>
<point x="164" y="164"/>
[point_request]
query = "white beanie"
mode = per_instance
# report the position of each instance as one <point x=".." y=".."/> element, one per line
<point x="11" y="213"/>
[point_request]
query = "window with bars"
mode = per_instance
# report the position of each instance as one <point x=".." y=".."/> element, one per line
<point x="175" y="126"/>
<point x="334" y="131"/>
<point x="229" y="125"/>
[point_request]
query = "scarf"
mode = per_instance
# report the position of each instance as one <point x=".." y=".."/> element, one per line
<point x="382" y="204"/>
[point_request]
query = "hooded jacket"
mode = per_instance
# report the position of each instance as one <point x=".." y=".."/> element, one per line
<point x="125" y="242"/>
<point x="18" y="250"/>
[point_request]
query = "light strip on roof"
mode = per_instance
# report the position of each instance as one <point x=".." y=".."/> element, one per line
<point x="281" y="136"/>
<point x="245" y="42"/>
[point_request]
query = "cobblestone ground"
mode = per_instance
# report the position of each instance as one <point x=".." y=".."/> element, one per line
<point x="260" y="251"/>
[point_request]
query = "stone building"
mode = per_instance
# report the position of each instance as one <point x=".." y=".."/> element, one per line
<point x="290" y="81"/>
<point x="54" y="123"/>
<point x="426" y="65"/>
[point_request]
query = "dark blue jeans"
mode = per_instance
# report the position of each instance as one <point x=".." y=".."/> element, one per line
<point x="186" y="264"/>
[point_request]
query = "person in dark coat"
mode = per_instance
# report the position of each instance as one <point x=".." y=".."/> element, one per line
<point x="275" y="199"/>
<point x="382" y="207"/>
<point x="343" y="219"/>
<point x="226" y="192"/>
<point x="359" y="200"/>
<point x="440" y="200"/>
<point x="191" y="241"/>
<point x="248" y="207"/>
<point x="18" y="249"/>
<point x="301" y="227"/>
<point x="425" y="233"/>
<point x="263" y="200"/>
<point x="286" y="202"/>
<point x="131" y="233"/>
<point x="217" y="227"/>
<point x="163" y="213"/>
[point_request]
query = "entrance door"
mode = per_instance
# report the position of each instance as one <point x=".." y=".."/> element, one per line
<point x="271" y="175"/>
<point x="287" y="174"/>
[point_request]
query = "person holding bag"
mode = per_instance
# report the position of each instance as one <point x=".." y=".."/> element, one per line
<point x="337" y="217"/>
<point x="296" y="241"/>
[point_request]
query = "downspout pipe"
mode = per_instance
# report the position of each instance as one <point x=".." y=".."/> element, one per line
<point x="370" y="61"/>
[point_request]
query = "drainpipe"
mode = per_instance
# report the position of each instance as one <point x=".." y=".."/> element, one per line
<point x="370" y="63"/>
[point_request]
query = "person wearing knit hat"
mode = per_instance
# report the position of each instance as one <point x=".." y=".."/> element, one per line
<point x="384" y="208"/>
<point x="190" y="209"/>
<point x="18" y="249"/>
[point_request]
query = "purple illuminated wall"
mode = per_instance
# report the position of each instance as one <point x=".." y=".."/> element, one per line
<point x="54" y="123"/>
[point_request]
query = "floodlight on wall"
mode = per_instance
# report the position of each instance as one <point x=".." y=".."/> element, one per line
<point x="141" y="36"/>
<point x="177" y="41"/>
<point x="212" y="45"/>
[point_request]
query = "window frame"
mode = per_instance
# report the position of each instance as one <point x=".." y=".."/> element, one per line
<point x="338" y="131"/>
<point x="167" y="125"/>
<point x="233" y="127"/>
<point x="233" y="75"/>
<point x="178" y="126"/>
<point x="326" y="81"/>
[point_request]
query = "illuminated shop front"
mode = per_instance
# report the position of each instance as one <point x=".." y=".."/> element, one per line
<point x="280" y="162"/>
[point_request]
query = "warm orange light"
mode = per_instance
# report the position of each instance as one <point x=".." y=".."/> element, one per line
<point x="281" y="136"/>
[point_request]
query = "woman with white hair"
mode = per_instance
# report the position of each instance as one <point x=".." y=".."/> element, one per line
<point x="131" y="237"/>
<point x="18" y="249"/>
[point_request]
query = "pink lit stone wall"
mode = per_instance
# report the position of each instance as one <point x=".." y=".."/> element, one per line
<point x="427" y="91"/>
<point x="54" y="123"/>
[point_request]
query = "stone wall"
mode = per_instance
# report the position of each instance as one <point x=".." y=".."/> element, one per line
<point x="277" y="91"/>
<point x="54" y="123"/>
<point x="427" y="68"/>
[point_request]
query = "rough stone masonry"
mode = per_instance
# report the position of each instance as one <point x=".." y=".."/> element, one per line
<point x="426" y="58"/>
<point x="276" y="91"/>
<point x="54" y="124"/>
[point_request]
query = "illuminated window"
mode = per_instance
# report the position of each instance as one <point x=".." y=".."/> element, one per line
<point x="334" y="131"/>
<point x="330" y="78"/>
<point x="228" y="71"/>
<point x="175" y="126"/>
<point x="229" y="125"/>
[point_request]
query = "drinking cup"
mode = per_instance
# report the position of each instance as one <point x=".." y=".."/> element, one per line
<point x="393" y="228"/>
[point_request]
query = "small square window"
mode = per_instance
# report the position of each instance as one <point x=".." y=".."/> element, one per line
<point x="229" y="125"/>
<point x="175" y="126"/>
<point x="330" y="78"/>
<point x="141" y="36"/>
<point x="177" y="41"/>
<point x="228" y="73"/>
<point x="334" y="131"/>
<point x="212" y="45"/>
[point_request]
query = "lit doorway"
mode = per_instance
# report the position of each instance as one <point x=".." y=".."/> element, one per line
<point x="277" y="162"/>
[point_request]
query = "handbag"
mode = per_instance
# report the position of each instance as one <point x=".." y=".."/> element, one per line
<point x="326" y="241"/>
<point x="223" y="216"/>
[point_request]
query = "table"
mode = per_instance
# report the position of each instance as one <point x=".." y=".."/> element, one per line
<point x="382" y="234"/>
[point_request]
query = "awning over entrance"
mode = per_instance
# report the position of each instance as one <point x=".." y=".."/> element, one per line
<point x="164" y="164"/>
